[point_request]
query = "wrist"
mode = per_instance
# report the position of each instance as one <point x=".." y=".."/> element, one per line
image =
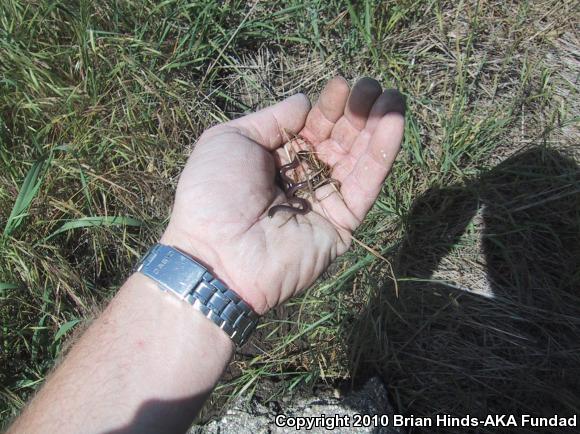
<point x="176" y="273"/>
<point x="211" y="260"/>
<point x="170" y="314"/>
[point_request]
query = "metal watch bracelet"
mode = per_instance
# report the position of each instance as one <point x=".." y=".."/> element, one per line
<point x="175" y="272"/>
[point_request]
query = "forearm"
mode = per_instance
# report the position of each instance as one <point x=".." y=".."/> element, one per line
<point x="145" y="365"/>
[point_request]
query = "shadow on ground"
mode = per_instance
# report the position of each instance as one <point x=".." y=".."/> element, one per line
<point x="440" y="349"/>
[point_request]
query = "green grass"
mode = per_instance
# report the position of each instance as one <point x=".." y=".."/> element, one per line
<point x="100" y="103"/>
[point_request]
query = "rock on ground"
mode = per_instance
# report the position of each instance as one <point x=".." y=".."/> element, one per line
<point x="256" y="416"/>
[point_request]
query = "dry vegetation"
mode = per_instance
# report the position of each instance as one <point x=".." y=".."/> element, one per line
<point x="100" y="103"/>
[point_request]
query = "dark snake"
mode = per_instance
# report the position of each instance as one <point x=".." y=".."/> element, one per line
<point x="291" y="188"/>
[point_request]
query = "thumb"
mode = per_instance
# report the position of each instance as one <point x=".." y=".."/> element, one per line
<point x="268" y="126"/>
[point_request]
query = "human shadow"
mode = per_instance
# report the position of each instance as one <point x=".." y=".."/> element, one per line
<point x="491" y="333"/>
<point x="170" y="416"/>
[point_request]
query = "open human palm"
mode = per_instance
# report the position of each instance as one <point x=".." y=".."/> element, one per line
<point x="220" y="215"/>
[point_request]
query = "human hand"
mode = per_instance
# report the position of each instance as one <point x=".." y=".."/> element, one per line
<point x="220" y="215"/>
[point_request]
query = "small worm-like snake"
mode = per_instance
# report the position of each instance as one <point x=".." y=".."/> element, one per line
<point x="291" y="189"/>
<point x="295" y="187"/>
<point x="286" y="168"/>
<point x="305" y="207"/>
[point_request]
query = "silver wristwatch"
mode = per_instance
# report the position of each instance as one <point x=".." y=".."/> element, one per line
<point x="179" y="274"/>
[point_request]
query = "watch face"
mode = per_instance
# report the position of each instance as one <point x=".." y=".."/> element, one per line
<point x="173" y="271"/>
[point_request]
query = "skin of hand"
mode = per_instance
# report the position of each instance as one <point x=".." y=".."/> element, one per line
<point x="228" y="184"/>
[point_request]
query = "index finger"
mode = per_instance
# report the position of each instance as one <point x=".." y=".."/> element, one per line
<point x="327" y="111"/>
